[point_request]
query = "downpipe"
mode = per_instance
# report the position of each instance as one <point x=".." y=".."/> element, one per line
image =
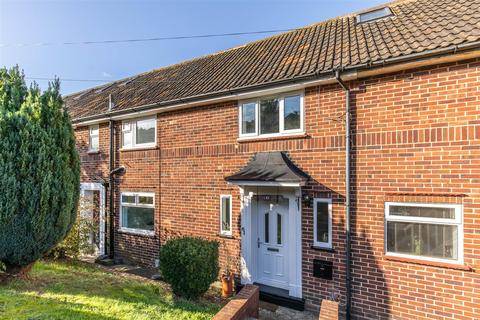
<point x="348" y="284"/>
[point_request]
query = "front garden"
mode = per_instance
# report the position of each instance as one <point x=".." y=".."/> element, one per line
<point x="75" y="290"/>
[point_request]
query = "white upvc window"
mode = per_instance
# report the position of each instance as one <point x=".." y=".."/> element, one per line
<point x="271" y="116"/>
<point x="94" y="138"/>
<point x="426" y="231"/>
<point x="139" y="133"/>
<point x="226" y="215"/>
<point x="322" y="223"/>
<point x="137" y="212"/>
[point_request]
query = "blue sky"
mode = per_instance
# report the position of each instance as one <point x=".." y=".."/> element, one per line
<point x="27" y="22"/>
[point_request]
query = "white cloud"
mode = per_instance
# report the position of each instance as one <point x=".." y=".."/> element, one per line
<point x="106" y="74"/>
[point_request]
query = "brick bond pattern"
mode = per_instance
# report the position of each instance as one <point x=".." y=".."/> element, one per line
<point x="417" y="138"/>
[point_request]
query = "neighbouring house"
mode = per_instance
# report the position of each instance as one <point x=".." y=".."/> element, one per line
<point x="336" y="161"/>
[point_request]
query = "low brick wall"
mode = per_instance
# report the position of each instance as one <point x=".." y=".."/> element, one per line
<point x="328" y="310"/>
<point x="242" y="306"/>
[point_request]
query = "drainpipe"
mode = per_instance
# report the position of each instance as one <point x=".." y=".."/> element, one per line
<point x="348" y="284"/>
<point x="111" y="251"/>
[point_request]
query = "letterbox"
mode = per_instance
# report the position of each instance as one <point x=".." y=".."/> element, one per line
<point x="322" y="269"/>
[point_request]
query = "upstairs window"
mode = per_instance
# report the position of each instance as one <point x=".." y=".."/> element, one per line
<point x="139" y="133"/>
<point x="424" y="231"/>
<point x="374" y="15"/>
<point x="226" y="215"/>
<point x="137" y="212"/>
<point x="274" y="116"/>
<point x="93" y="141"/>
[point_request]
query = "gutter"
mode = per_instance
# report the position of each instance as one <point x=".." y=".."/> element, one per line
<point x="348" y="283"/>
<point x="429" y="57"/>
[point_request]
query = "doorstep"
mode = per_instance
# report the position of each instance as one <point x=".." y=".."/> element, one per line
<point x="279" y="297"/>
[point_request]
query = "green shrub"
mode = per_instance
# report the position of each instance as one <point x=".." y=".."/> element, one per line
<point x="78" y="240"/>
<point x="189" y="265"/>
<point x="39" y="171"/>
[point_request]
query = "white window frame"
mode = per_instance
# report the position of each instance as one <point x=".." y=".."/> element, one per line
<point x="132" y="124"/>
<point x="387" y="12"/>
<point x="458" y="221"/>
<point x="90" y="135"/>
<point x="136" y="204"/>
<point x="316" y="243"/>
<point x="281" y="103"/>
<point x="223" y="232"/>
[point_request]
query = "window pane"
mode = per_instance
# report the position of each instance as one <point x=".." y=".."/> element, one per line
<point x="94" y="143"/>
<point x="248" y="118"/>
<point x="322" y="222"/>
<point x="128" y="198"/>
<point x="423" y="212"/>
<point x="127" y="139"/>
<point x="94" y="130"/>
<point x="269" y="113"/>
<point x="145" y="131"/>
<point x="137" y="218"/>
<point x="422" y="239"/>
<point x="267" y="235"/>
<point x="145" y="199"/>
<point x="226" y="214"/>
<point x="372" y="15"/>
<point x="292" y="113"/>
<point x="279" y="228"/>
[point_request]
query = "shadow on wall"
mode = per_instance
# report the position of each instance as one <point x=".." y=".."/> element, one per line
<point x="94" y="165"/>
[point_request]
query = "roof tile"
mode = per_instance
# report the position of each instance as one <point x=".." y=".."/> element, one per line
<point x="416" y="26"/>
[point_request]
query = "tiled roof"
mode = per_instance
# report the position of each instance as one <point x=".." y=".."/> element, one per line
<point x="415" y="27"/>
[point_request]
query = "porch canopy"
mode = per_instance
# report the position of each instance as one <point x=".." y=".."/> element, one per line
<point x="269" y="169"/>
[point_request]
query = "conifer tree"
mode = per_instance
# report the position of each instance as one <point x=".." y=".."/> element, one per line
<point x="39" y="170"/>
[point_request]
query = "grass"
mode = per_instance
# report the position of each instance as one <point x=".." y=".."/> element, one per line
<point x="74" y="290"/>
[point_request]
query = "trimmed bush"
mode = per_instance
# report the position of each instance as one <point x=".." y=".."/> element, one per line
<point x="39" y="171"/>
<point x="189" y="265"/>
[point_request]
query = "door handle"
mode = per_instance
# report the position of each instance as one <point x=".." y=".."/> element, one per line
<point x="258" y="242"/>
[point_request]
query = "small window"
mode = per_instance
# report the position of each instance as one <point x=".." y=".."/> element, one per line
<point x="374" y="15"/>
<point x="424" y="231"/>
<point x="267" y="227"/>
<point x="139" y="133"/>
<point x="137" y="212"/>
<point x="93" y="144"/>
<point x="279" y="228"/>
<point x="322" y="224"/>
<point x="282" y="115"/>
<point x="226" y="215"/>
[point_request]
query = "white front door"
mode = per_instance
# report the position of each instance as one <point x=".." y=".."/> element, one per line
<point x="272" y="222"/>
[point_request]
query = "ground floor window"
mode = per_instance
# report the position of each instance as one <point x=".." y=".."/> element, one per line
<point x="137" y="212"/>
<point x="226" y="215"/>
<point x="425" y="231"/>
<point x="322" y="223"/>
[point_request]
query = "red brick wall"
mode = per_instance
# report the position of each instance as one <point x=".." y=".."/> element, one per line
<point x="243" y="306"/>
<point x="417" y="138"/>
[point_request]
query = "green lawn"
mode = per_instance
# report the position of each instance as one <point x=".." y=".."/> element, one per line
<point x="74" y="290"/>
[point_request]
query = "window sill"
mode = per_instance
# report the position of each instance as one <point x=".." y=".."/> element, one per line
<point x="137" y="232"/>
<point x="317" y="248"/>
<point x="226" y="236"/>
<point x="139" y="148"/>
<point x="277" y="137"/>
<point x="429" y="263"/>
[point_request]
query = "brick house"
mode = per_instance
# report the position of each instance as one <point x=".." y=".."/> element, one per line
<point x="249" y="146"/>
